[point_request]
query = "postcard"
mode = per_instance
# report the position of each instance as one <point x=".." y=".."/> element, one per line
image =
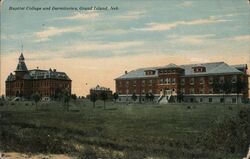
<point x="120" y="79"/>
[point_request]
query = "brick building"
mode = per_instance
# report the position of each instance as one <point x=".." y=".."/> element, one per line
<point x="99" y="90"/>
<point x="204" y="83"/>
<point x="24" y="82"/>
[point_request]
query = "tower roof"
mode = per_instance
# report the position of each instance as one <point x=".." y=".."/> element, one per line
<point x="21" y="57"/>
<point x="21" y="66"/>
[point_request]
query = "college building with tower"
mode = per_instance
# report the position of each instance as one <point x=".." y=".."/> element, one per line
<point x="24" y="82"/>
<point x="215" y="82"/>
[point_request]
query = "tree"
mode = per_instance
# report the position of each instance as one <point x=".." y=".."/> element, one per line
<point x="74" y="97"/>
<point x="66" y="98"/>
<point x="152" y="97"/>
<point x="216" y="86"/>
<point x="104" y="97"/>
<point x="134" y="97"/>
<point x="115" y="96"/>
<point x="239" y="87"/>
<point x="36" y="97"/>
<point x="58" y="94"/>
<point x="180" y="96"/>
<point x="93" y="98"/>
<point x="226" y="87"/>
<point x="147" y="96"/>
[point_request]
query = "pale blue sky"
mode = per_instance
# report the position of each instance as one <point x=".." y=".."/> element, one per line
<point x="138" y="27"/>
<point x="199" y="30"/>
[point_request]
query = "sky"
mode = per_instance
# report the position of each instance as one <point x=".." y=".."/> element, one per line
<point x="96" y="46"/>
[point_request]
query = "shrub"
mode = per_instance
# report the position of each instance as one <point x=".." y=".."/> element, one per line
<point x="231" y="135"/>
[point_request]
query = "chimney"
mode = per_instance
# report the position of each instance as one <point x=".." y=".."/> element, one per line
<point x="126" y="72"/>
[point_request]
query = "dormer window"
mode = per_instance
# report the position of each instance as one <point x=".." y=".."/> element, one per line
<point x="150" y="72"/>
<point x="198" y="69"/>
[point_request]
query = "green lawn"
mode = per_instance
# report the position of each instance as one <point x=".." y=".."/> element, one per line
<point x="120" y="131"/>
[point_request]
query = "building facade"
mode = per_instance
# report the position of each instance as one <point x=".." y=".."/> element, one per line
<point x="215" y="82"/>
<point x="24" y="82"/>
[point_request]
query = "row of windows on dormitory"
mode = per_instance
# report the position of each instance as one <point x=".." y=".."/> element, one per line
<point x="202" y="91"/>
<point x="182" y="90"/>
<point x="201" y="80"/>
<point x="39" y="84"/>
<point x="211" y="100"/>
<point x="143" y="91"/>
<point x="211" y="80"/>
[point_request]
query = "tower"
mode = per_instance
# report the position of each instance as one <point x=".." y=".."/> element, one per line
<point x="21" y="68"/>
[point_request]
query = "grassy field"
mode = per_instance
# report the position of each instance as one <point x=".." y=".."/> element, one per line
<point x="120" y="131"/>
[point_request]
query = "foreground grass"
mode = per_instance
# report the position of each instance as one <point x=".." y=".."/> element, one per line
<point x="119" y="131"/>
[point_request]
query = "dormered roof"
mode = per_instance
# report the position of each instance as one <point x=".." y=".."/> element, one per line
<point x="139" y="73"/>
<point x="215" y="68"/>
<point x="41" y="74"/>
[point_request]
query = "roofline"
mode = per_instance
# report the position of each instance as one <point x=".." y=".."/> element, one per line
<point x="136" y="78"/>
<point x="213" y="74"/>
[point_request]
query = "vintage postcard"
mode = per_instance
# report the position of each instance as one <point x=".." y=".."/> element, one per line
<point x="135" y="79"/>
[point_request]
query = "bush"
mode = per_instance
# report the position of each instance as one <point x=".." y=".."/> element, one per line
<point x="231" y="135"/>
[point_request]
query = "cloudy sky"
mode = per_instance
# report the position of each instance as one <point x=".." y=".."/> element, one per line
<point x="96" y="46"/>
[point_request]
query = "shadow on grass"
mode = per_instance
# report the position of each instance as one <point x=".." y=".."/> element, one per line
<point x="157" y="106"/>
<point x="111" y="109"/>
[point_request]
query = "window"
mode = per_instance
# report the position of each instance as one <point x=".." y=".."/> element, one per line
<point x="211" y="91"/>
<point x="201" y="100"/>
<point x="143" y="82"/>
<point x="191" y="100"/>
<point x="150" y="82"/>
<point x="210" y="100"/>
<point x="201" y="90"/>
<point x="183" y="90"/>
<point x="201" y="80"/>
<point x="173" y="80"/>
<point x="233" y="100"/>
<point x="134" y="82"/>
<point x="210" y="80"/>
<point x="191" y="81"/>
<point x="222" y="100"/>
<point x="166" y="80"/>
<point x="182" y="81"/>
<point x="161" y="81"/>
<point x="191" y="90"/>
<point x="222" y="79"/>
<point x="127" y="91"/>
<point x="150" y="91"/>
<point x="143" y="91"/>
<point x="234" y="79"/>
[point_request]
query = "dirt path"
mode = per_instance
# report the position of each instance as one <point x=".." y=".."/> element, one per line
<point x="15" y="155"/>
